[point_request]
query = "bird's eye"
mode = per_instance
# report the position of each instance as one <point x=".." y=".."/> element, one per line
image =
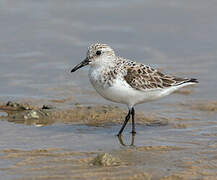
<point x="98" y="53"/>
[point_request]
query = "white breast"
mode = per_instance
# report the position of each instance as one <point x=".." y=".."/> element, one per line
<point x="119" y="91"/>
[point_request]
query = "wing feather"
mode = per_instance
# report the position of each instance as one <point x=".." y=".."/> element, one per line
<point x="142" y="77"/>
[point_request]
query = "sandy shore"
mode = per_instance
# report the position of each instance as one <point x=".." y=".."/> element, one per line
<point x="131" y="161"/>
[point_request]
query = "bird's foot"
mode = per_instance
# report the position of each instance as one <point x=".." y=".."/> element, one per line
<point x="133" y="132"/>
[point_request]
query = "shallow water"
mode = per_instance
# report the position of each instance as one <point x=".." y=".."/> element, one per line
<point x="42" y="41"/>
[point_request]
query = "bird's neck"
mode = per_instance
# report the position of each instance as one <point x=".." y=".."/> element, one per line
<point x="104" y="63"/>
<point x="98" y="70"/>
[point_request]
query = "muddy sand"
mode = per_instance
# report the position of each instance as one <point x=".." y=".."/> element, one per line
<point x="167" y="156"/>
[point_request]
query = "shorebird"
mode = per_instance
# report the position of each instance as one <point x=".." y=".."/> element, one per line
<point x="127" y="82"/>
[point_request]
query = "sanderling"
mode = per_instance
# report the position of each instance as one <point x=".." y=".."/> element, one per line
<point x="128" y="82"/>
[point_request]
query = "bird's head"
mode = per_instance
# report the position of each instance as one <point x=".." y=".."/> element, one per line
<point x="97" y="54"/>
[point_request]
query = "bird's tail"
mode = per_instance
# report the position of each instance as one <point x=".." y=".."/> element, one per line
<point x="186" y="82"/>
<point x="192" y="80"/>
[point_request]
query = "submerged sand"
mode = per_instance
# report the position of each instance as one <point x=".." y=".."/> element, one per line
<point x="172" y="160"/>
<point x="153" y="162"/>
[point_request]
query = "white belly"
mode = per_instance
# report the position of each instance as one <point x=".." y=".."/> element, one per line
<point x="121" y="92"/>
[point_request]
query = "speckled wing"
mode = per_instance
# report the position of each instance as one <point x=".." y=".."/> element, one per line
<point x="142" y="77"/>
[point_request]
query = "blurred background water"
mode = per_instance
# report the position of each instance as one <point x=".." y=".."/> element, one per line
<point x="42" y="40"/>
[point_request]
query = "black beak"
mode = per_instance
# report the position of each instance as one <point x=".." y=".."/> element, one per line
<point x="80" y="65"/>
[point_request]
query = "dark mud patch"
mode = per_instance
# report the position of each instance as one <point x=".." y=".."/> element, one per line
<point x="23" y="113"/>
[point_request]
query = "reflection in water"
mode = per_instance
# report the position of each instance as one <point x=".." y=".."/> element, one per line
<point x="132" y="140"/>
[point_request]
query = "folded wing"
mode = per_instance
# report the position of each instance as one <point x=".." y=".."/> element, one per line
<point x="142" y="77"/>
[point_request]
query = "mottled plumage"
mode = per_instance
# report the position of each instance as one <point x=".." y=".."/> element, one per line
<point x="142" y="77"/>
<point x="127" y="82"/>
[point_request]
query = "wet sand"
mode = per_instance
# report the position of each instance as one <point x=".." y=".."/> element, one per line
<point x="157" y="151"/>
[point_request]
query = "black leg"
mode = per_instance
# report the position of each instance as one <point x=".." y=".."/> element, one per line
<point x="123" y="144"/>
<point x="133" y="121"/>
<point x="125" y="123"/>
<point x="133" y="137"/>
<point x="121" y="140"/>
